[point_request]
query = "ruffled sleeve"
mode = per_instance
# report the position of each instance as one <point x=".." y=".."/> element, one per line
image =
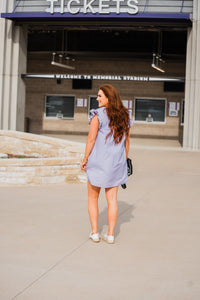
<point x="94" y="112"/>
<point x="130" y="122"/>
<point x="130" y="119"/>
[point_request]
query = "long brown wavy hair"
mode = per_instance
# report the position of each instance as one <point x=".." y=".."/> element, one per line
<point x="117" y="113"/>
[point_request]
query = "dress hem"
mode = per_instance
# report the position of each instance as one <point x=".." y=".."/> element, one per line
<point x="106" y="187"/>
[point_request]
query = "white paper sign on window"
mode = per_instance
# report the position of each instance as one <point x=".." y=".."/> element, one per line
<point x="127" y="103"/>
<point x="81" y="102"/>
<point x="173" y="109"/>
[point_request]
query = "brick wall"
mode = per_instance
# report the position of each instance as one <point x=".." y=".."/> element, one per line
<point x="36" y="89"/>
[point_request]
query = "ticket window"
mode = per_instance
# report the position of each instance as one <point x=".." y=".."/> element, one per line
<point x="150" y="110"/>
<point x="93" y="103"/>
<point x="59" y="107"/>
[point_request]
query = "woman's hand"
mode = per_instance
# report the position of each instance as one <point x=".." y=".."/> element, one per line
<point x="83" y="165"/>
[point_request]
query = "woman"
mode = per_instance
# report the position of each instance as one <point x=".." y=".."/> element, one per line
<point x="105" y="156"/>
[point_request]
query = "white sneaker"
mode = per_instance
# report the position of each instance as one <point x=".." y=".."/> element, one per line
<point x="94" y="237"/>
<point x="110" y="239"/>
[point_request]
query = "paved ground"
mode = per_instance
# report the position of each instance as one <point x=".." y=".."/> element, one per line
<point x="45" y="253"/>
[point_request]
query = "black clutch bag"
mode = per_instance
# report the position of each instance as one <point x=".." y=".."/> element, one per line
<point x="129" y="170"/>
<point x="129" y="166"/>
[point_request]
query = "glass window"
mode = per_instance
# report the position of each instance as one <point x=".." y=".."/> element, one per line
<point x="40" y="40"/>
<point x="58" y="106"/>
<point x="93" y="102"/>
<point x="82" y="84"/>
<point x="150" y="110"/>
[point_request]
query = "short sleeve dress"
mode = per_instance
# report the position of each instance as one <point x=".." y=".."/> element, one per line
<point x="106" y="166"/>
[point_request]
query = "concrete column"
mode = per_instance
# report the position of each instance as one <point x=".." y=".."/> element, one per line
<point x="191" y="136"/>
<point x="13" y="53"/>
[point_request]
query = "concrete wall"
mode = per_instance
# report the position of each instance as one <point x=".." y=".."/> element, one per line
<point x="38" y="88"/>
<point x="33" y="159"/>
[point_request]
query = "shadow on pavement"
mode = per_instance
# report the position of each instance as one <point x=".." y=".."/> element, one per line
<point x="125" y="215"/>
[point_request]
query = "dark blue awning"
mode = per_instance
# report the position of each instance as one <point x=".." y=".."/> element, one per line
<point x="38" y="17"/>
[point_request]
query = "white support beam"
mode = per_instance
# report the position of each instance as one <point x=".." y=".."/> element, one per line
<point x="13" y="51"/>
<point x="191" y="136"/>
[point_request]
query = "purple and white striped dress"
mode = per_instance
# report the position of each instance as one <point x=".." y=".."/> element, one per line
<point x="107" y="166"/>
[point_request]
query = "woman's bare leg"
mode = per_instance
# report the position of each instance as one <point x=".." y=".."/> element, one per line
<point x="93" y="210"/>
<point x="111" y="196"/>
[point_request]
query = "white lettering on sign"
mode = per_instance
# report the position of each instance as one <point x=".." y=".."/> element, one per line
<point x="88" y="6"/>
<point x="74" y="11"/>
<point x="133" y="8"/>
<point x="102" y="7"/>
<point x="52" y="5"/>
<point x="93" y="6"/>
<point x="101" y="77"/>
<point x="118" y="5"/>
<point x="62" y="6"/>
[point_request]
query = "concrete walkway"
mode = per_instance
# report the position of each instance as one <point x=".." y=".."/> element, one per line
<point x="45" y="253"/>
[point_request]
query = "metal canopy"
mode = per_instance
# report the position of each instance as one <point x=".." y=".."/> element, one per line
<point x="35" y="17"/>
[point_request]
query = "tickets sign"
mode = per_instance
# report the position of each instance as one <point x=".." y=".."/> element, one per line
<point x="93" y="6"/>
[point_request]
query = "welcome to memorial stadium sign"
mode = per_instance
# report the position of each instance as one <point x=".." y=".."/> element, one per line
<point x="93" y="6"/>
<point x="102" y="77"/>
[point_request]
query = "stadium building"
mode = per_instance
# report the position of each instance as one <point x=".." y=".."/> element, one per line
<point x="55" y="54"/>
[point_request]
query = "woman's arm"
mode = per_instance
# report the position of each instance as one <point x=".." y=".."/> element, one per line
<point x="94" y="126"/>
<point x="127" y="143"/>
